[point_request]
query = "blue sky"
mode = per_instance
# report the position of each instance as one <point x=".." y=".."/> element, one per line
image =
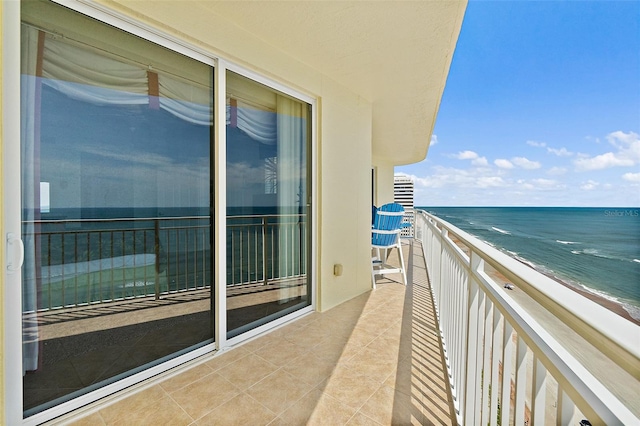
<point x="541" y="108"/>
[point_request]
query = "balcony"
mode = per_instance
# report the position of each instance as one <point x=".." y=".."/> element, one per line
<point x="449" y="348"/>
<point x="376" y="359"/>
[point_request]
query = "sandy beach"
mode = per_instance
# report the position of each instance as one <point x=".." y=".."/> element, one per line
<point x="609" y="304"/>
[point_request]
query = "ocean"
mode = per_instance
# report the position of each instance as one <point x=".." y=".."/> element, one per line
<point x="596" y="249"/>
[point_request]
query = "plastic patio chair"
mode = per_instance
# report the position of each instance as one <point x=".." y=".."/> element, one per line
<point x="385" y="235"/>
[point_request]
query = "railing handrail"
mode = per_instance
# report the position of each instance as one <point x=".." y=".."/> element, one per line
<point x="153" y="218"/>
<point x="586" y="391"/>
<point x="592" y="321"/>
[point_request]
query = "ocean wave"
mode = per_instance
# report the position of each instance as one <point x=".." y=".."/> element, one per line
<point x="502" y="231"/>
<point x="567" y="242"/>
<point x="628" y="306"/>
<point x="632" y="308"/>
<point x="596" y="253"/>
<point x="531" y="264"/>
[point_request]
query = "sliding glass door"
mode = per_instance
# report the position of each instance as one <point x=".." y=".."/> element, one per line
<point x="116" y="204"/>
<point x="268" y="137"/>
<point x="117" y="214"/>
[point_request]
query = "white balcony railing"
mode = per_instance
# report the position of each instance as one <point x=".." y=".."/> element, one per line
<point x="538" y="354"/>
<point x="92" y="261"/>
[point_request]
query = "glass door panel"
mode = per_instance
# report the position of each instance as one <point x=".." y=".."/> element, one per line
<point x="268" y="204"/>
<point x="116" y="214"/>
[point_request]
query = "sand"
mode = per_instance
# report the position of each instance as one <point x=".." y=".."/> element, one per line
<point x="609" y="304"/>
<point x="602" y="301"/>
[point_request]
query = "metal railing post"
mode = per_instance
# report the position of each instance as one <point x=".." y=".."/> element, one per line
<point x="156" y="249"/>
<point x="264" y="250"/>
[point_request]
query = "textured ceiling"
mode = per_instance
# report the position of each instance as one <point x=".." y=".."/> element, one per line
<point x="395" y="54"/>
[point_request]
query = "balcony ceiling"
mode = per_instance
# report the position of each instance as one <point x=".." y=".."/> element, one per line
<point x="395" y="54"/>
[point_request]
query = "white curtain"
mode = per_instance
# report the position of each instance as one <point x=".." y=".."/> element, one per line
<point x="260" y="124"/>
<point x="92" y="76"/>
<point x="186" y="100"/>
<point x="291" y="187"/>
<point x="29" y="117"/>
<point x="88" y="76"/>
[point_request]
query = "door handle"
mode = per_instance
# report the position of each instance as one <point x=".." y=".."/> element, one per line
<point x="14" y="244"/>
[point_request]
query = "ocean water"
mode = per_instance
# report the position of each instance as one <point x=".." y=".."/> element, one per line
<point x="597" y="249"/>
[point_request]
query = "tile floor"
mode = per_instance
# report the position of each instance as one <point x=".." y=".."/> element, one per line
<point x="374" y="360"/>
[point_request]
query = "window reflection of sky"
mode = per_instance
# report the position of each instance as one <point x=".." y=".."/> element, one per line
<point x="121" y="155"/>
<point x="113" y="156"/>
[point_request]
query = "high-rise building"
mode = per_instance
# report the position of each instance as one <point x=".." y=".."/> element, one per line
<point x="403" y="195"/>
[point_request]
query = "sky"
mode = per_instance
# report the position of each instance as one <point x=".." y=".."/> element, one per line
<point x="541" y="108"/>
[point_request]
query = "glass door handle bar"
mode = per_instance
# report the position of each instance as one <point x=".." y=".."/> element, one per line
<point x="15" y="247"/>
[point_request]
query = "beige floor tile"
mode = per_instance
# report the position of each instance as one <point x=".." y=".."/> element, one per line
<point x="360" y="419"/>
<point x="304" y="338"/>
<point x="334" y="350"/>
<point x="239" y="411"/>
<point x="390" y="407"/>
<point x="162" y="412"/>
<point x="372" y="364"/>
<point x="281" y="354"/>
<point x="137" y="401"/>
<point x="185" y="378"/>
<point x="247" y="371"/>
<point x="279" y="390"/>
<point x="204" y="395"/>
<point x="312" y="368"/>
<point x="316" y="408"/>
<point x="227" y="357"/>
<point x="94" y="419"/>
<point x="349" y="387"/>
<point x="269" y="340"/>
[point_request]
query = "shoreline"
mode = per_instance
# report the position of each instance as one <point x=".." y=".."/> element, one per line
<point x="611" y="305"/>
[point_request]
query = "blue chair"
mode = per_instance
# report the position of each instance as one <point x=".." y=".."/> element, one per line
<point x="385" y="234"/>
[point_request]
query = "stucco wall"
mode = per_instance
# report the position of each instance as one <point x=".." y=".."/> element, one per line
<point x="2" y="230"/>
<point x="384" y="182"/>
<point x="343" y="140"/>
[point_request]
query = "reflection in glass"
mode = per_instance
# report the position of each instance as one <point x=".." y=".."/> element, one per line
<point x="116" y="193"/>
<point x="268" y="139"/>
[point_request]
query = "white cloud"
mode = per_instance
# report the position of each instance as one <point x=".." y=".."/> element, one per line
<point x="480" y="161"/>
<point x="546" y="183"/>
<point x="556" y="171"/>
<point x="466" y="155"/>
<point x="562" y="152"/>
<point x="631" y="177"/>
<point x="603" y="161"/>
<point x="537" y="144"/>
<point x="540" y="184"/>
<point x="434" y="140"/>
<point x="446" y="177"/>
<point x="503" y="164"/>
<point x="476" y="160"/>
<point x="490" y="182"/>
<point x="589" y="185"/>
<point x="627" y="154"/>
<point x="525" y="163"/>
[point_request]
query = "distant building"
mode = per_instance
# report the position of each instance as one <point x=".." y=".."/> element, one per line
<point x="403" y="195"/>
